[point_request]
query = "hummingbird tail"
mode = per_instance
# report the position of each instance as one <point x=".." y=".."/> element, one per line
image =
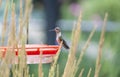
<point x="65" y="45"/>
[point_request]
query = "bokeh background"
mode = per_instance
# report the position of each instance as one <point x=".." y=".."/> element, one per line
<point x="93" y="13"/>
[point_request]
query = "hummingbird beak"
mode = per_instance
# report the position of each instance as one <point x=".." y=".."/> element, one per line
<point x="52" y="30"/>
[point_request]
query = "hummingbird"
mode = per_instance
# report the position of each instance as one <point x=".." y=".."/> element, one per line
<point x="59" y="37"/>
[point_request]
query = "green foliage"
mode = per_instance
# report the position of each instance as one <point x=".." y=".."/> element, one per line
<point x="95" y="7"/>
<point x="111" y="68"/>
<point x="99" y="7"/>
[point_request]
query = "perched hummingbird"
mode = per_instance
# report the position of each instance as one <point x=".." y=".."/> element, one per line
<point x="59" y="38"/>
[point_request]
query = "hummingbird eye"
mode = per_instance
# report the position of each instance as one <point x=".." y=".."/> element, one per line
<point x="57" y="29"/>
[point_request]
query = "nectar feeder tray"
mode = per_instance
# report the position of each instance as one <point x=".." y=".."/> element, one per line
<point x="33" y="52"/>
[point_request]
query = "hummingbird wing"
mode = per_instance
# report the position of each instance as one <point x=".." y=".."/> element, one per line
<point x="64" y="43"/>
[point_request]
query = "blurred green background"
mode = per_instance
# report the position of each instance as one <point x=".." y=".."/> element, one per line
<point x="93" y="12"/>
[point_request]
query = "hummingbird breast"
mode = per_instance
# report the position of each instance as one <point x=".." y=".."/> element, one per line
<point x="58" y="36"/>
<point x="59" y="39"/>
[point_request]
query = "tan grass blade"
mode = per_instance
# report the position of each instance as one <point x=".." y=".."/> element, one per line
<point x="20" y="70"/>
<point x="73" y="69"/>
<point x="10" y="54"/>
<point x="28" y="9"/>
<point x="24" y="22"/>
<point x="5" y="23"/>
<point x="20" y="22"/>
<point x="98" y="65"/>
<point x="12" y="34"/>
<point x="21" y="9"/>
<point x="83" y="50"/>
<point x="4" y="69"/>
<point x="32" y="75"/>
<point x="40" y="72"/>
<point x="81" y="73"/>
<point x="57" y="74"/>
<point x="0" y="2"/>
<point x="71" y="56"/>
<point x="54" y="64"/>
<point x="88" y="75"/>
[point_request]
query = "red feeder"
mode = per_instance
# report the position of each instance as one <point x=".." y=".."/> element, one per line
<point x="33" y="53"/>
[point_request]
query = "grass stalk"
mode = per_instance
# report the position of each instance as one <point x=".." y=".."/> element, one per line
<point x="12" y="35"/>
<point x="57" y="74"/>
<point x="40" y="72"/>
<point x="20" y="22"/>
<point x="81" y="73"/>
<point x="5" y="23"/>
<point x="83" y="50"/>
<point x="54" y="64"/>
<point x="71" y="56"/>
<point x="28" y="9"/>
<point x="20" y="70"/>
<point x="0" y="2"/>
<point x="98" y="64"/>
<point x="88" y="75"/>
<point x="10" y="54"/>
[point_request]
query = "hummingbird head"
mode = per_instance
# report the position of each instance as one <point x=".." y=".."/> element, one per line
<point x="57" y="30"/>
